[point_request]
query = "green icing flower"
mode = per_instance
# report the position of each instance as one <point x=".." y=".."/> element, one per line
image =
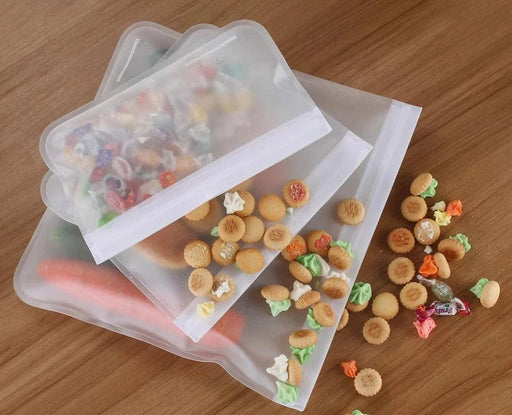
<point x="236" y="266"/>
<point x="107" y="217"/>
<point x="463" y="239"/>
<point x="312" y="263"/>
<point x="361" y="293"/>
<point x="431" y="190"/>
<point x="346" y="245"/>
<point x="87" y="187"/>
<point x="286" y="393"/>
<point x="302" y="355"/>
<point x="479" y="286"/>
<point x="289" y="211"/>
<point x="357" y="412"/>
<point x="277" y="307"/>
<point x="215" y="231"/>
<point x="315" y="325"/>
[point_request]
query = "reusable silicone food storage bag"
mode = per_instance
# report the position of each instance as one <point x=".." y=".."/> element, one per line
<point x="47" y="274"/>
<point x="157" y="267"/>
<point x="385" y="123"/>
<point x="182" y="134"/>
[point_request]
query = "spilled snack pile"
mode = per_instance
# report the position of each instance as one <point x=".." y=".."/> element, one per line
<point x="401" y="271"/>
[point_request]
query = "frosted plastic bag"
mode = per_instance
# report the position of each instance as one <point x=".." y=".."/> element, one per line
<point x="163" y="276"/>
<point x="385" y="123"/>
<point x="184" y="133"/>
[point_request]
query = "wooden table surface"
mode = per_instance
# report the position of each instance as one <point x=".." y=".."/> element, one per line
<point x="453" y="58"/>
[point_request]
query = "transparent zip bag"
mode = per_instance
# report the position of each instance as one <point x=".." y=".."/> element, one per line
<point x="179" y="135"/>
<point x="386" y="124"/>
<point x="157" y="265"/>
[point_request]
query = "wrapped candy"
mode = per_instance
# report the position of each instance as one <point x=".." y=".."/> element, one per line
<point x="425" y="327"/>
<point x="441" y="290"/>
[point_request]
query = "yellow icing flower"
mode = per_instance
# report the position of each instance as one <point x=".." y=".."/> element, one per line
<point x="442" y="218"/>
<point x="205" y="309"/>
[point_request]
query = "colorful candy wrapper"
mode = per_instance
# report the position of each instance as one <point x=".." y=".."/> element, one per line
<point x="423" y="313"/>
<point x="424" y="328"/>
<point x="441" y="290"/>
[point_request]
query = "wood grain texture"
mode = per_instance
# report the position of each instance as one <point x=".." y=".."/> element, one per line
<point x="453" y="58"/>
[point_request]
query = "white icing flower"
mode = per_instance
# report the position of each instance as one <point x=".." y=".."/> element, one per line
<point x="299" y="290"/>
<point x="280" y="368"/>
<point x="426" y="228"/>
<point x="205" y="309"/>
<point x="223" y="288"/>
<point x="233" y="202"/>
<point x="428" y="249"/>
<point x="341" y="275"/>
<point x="325" y="266"/>
<point x="440" y="206"/>
<point x="227" y="250"/>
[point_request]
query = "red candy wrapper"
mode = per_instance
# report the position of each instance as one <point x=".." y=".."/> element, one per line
<point x="424" y="328"/>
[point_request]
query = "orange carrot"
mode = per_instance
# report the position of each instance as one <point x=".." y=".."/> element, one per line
<point x="106" y="287"/>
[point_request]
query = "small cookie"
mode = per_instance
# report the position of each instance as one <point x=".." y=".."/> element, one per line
<point x="275" y="292"/>
<point x="412" y="295"/>
<point x="356" y="308"/>
<point x="223" y="288"/>
<point x="351" y="212"/>
<point x="368" y="382"/>
<point x="443" y="269"/>
<point x="209" y="221"/>
<point x="249" y="205"/>
<point x="254" y="229"/>
<point x="401" y="240"/>
<point x="295" y="248"/>
<point x="343" y="320"/>
<point x="199" y="213"/>
<point x="324" y="314"/>
<point x="339" y="257"/>
<point x="427" y="231"/>
<point x="385" y="305"/>
<point x="272" y="208"/>
<point x="231" y="228"/>
<point x="277" y="237"/>
<point x="294" y="372"/>
<point x="250" y="260"/>
<point x="376" y="330"/>
<point x="401" y="270"/>
<point x="319" y="242"/>
<point x="335" y="287"/>
<point x="296" y="193"/>
<point x="197" y="254"/>
<point x="200" y="282"/>
<point x="414" y="208"/>
<point x="452" y="249"/>
<point x="300" y="272"/>
<point x="307" y="300"/>
<point x="490" y="294"/>
<point x="302" y="339"/>
<point x="420" y="184"/>
<point x="224" y="253"/>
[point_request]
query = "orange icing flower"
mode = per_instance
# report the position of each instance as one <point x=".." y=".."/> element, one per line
<point x="428" y="268"/>
<point x="296" y="249"/>
<point x="167" y="178"/>
<point x="350" y="369"/>
<point x="454" y="208"/>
